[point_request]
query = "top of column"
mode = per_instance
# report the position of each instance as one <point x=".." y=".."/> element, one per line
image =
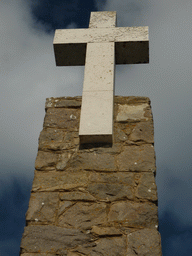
<point x="103" y="20"/>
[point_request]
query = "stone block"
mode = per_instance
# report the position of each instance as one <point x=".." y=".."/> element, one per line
<point x="46" y="160"/>
<point x="59" y="181"/>
<point x="137" y="158"/>
<point x="147" y="188"/>
<point x="42" y="207"/>
<point x="84" y="215"/>
<point x="62" y="118"/>
<point x="113" y="246"/>
<point x="51" y="239"/>
<point x="93" y="161"/>
<point x="144" y="242"/>
<point x="131" y="100"/>
<point x="122" y="132"/>
<point x="71" y="141"/>
<point x="63" y="206"/>
<point x="51" y="139"/>
<point x="63" y="102"/>
<point x="110" y="192"/>
<point x="123" y="178"/>
<point x="106" y="231"/>
<point x="132" y="214"/>
<point x="77" y="196"/>
<point x="63" y="160"/>
<point x="131" y="113"/>
<point x="143" y="132"/>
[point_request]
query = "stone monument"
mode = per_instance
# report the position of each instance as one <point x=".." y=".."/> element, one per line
<point x="94" y="190"/>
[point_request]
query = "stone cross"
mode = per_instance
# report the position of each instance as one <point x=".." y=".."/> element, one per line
<point x="99" y="48"/>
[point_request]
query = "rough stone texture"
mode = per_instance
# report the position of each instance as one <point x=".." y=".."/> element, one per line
<point x="144" y="242"/>
<point x="42" y="207"/>
<point x="132" y="214"/>
<point x="94" y="199"/>
<point x="51" y="239"/>
<point x="84" y="215"/>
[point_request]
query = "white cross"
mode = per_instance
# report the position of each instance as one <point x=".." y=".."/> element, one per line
<point x="99" y="48"/>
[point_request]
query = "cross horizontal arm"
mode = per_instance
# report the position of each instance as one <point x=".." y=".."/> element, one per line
<point x="95" y="35"/>
<point x="131" y="43"/>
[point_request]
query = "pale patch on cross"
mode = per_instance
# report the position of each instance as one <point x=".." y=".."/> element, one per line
<point x="99" y="48"/>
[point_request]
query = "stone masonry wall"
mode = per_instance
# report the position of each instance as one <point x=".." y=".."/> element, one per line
<point x="94" y="199"/>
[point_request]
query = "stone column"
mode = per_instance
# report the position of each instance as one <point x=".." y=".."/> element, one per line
<point x="94" y="199"/>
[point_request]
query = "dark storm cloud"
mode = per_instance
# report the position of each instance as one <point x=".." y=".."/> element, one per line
<point x="176" y="237"/>
<point x="61" y="13"/>
<point x="14" y="199"/>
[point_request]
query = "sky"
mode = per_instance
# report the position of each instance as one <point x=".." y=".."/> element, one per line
<point x="28" y="75"/>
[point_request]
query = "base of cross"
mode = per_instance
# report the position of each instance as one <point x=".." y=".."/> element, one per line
<point x="107" y="138"/>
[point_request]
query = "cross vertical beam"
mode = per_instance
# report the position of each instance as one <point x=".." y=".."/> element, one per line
<point x="96" y="121"/>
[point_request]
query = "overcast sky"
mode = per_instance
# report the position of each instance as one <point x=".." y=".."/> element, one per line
<point x="28" y="75"/>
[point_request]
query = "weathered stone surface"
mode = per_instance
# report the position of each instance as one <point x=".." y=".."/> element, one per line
<point x="38" y="254"/>
<point x="148" y="112"/>
<point x="143" y="132"/>
<point x="84" y="215"/>
<point x="113" y="246"/>
<point x="51" y="139"/>
<point x="93" y="161"/>
<point x="121" y="135"/>
<point x="113" y="178"/>
<point x="94" y="199"/>
<point x="72" y="254"/>
<point x="63" y="206"/>
<point x="144" y="242"/>
<point x="147" y="188"/>
<point x="63" y="102"/>
<point x="76" y="196"/>
<point x="51" y="239"/>
<point x="63" y="161"/>
<point x="71" y="141"/>
<point x="137" y="158"/>
<point x="131" y="100"/>
<point x="100" y="148"/>
<point x="57" y="140"/>
<point x="59" y="181"/>
<point x="105" y="231"/>
<point x="42" y="207"/>
<point x="46" y="160"/>
<point x="131" y="113"/>
<point x="110" y="192"/>
<point x="134" y="214"/>
<point x="67" y="119"/>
